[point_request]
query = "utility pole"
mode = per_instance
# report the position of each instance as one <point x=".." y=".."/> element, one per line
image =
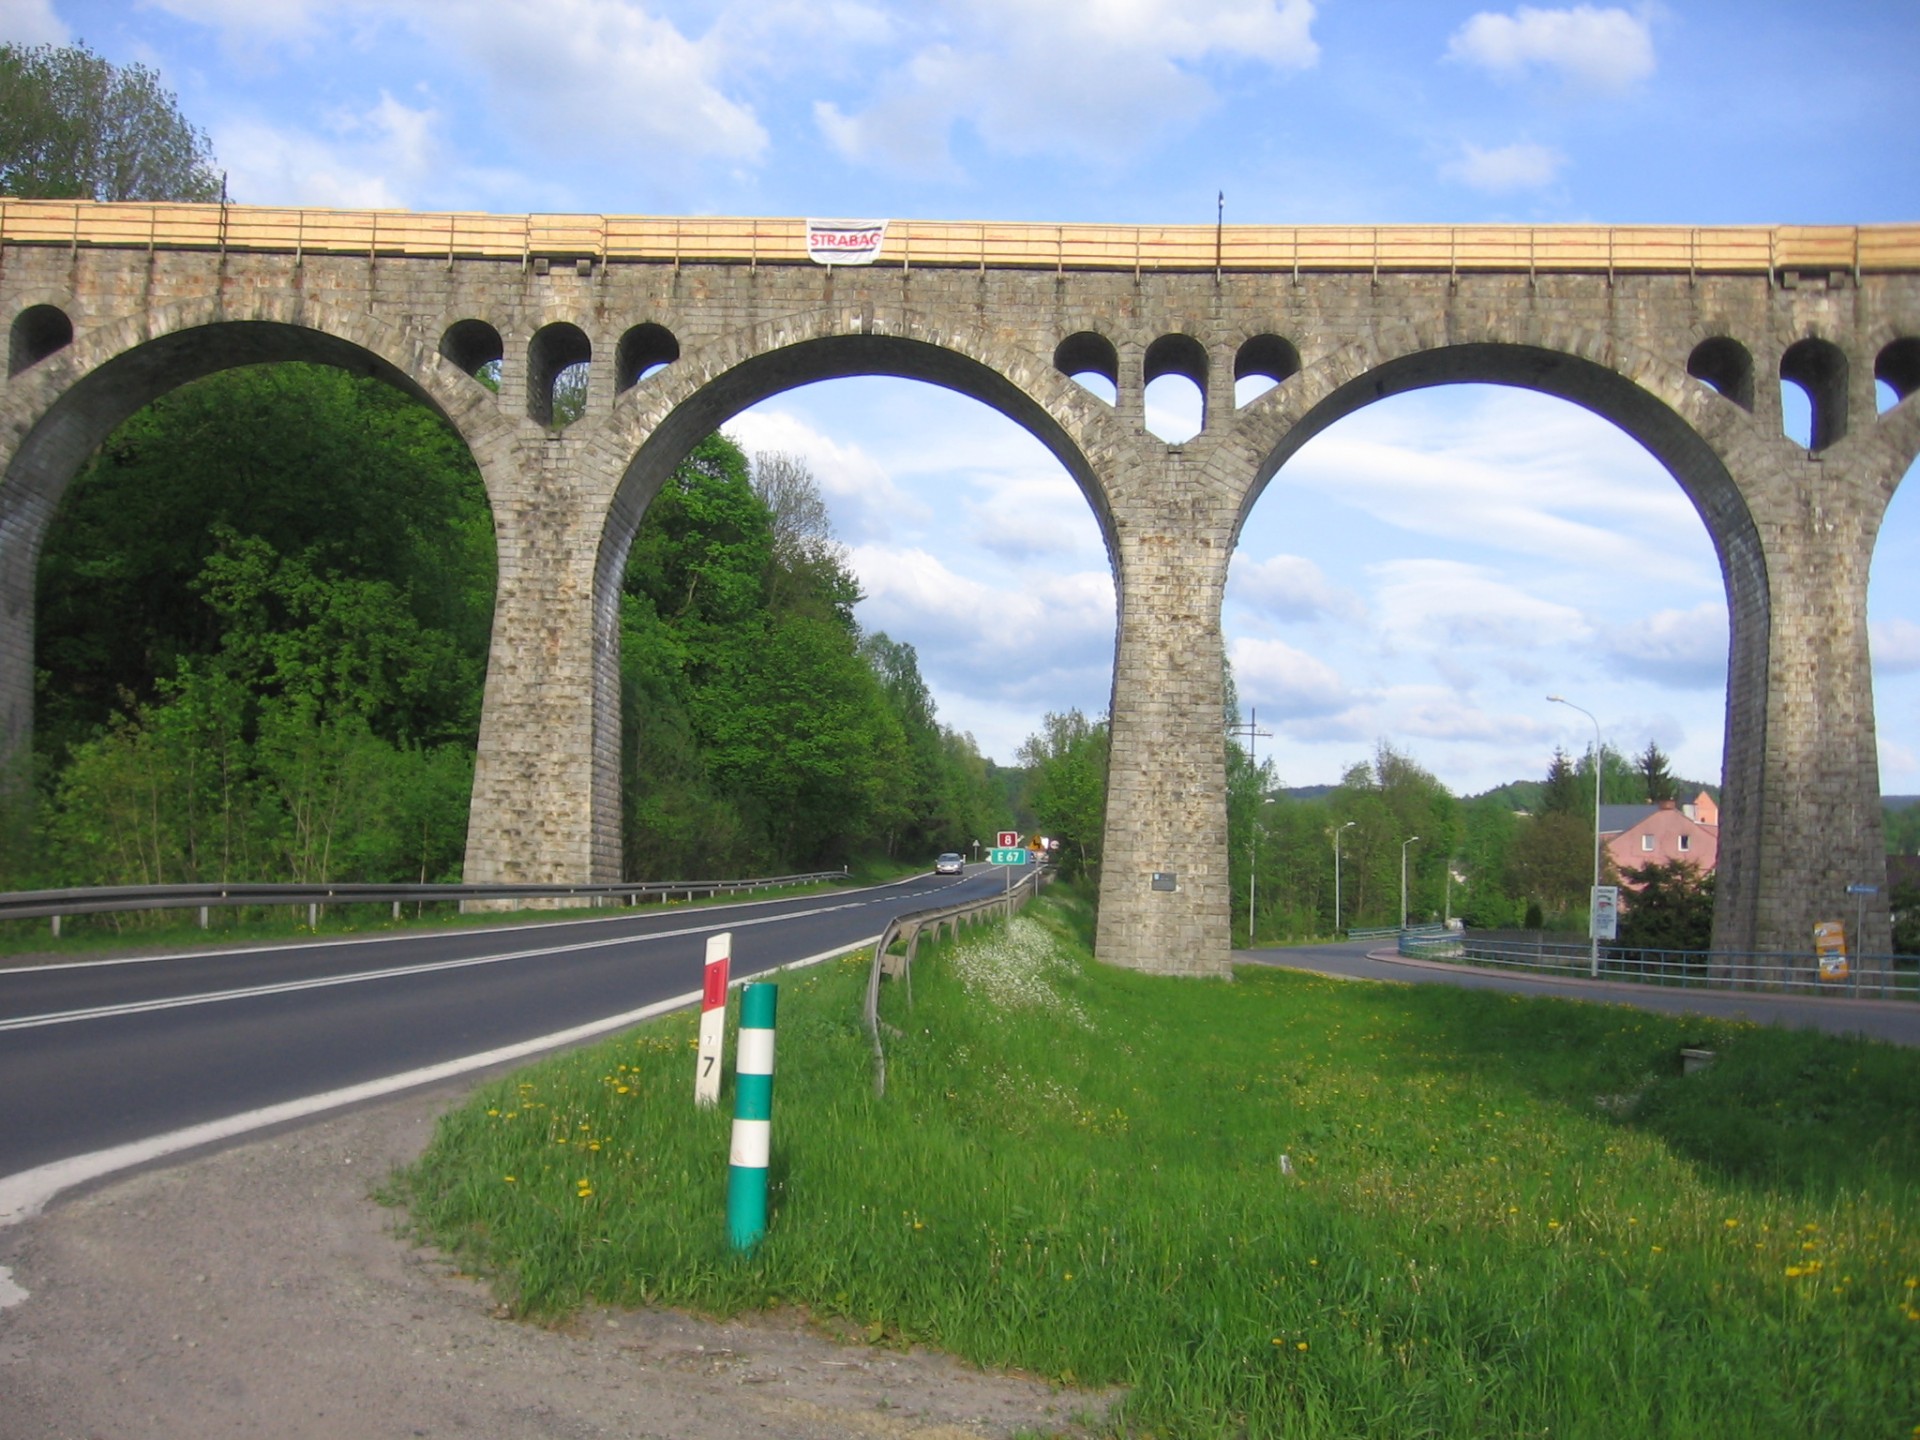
<point x="1250" y="728"/>
<point x="1336" y="874"/>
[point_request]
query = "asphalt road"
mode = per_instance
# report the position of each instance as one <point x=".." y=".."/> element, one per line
<point x="100" y="1054"/>
<point x="1897" y="1021"/>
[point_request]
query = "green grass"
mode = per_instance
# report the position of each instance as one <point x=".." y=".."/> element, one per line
<point x="1496" y="1216"/>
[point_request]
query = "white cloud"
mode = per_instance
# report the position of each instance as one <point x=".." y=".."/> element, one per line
<point x="1290" y="588"/>
<point x="1604" y="50"/>
<point x="1434" y="604"/>
<point x="1521" y="166"/>
<point x="32" y="22"/>
<point x="859" y="490"/>
<point x="1896" y="646"/>
<point x="371" y="160"/>
<point x="1683" y="649"/>
<point x="1089" y="78"/>
<point x="1286" y="683"/>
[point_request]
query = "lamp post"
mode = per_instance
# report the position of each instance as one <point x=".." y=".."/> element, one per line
<point x="1336" y="874"/>
<point x="1593" y="935"/>
<point x="1403" y="879"/>
<point x="1250" y="727"/>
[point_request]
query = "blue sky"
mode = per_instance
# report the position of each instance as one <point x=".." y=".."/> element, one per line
<point x="1424" y="573"/>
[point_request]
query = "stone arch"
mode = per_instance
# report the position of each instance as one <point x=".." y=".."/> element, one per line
<point x="1650" y="409"/>
<point x="555" y="347"/>
<point x="38" y="331"/>
<point x="109" y="374"/>
<point x="707" y="388"/>
<point x="1088" y="353"/>
<point x="1269" y="356"/>
<point x="472" y="345"/>
<point x="1819" y="367"/>
<point x="641" y="350"/>
<point x="1726" y="365"/>
<point x="1898" y="365"/>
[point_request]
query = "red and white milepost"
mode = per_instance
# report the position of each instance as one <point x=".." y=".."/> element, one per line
<point x="713" y="1019"/>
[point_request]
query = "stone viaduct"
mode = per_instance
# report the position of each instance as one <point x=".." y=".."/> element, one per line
<point x="1679" y="336"/>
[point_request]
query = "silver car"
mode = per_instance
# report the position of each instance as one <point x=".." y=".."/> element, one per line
<point x="950" y="864"/>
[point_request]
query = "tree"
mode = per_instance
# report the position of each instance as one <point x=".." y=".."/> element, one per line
<point x="1551" y="860"/>
<point x="1067" y="790"/>
<point x="1563" y="793"/>
<point x="1668" y="905"/>
<point x="1652" y="765"/>
<point x="74" y="126"/>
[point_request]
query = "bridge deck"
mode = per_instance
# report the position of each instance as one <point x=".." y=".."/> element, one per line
<point x="1592" y="249"/>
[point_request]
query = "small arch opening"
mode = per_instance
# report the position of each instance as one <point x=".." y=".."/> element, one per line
<point x="38" y="331"/>
<point x="1175" y="371"/>
<point x="476" y="347"/>
<point x="1726" y="365"/>
<point x="557" y="369"/>
<point x="1260" y="364"/>
<point x="1091" y="362"/>
<point x="643" y="350"/>
<point x="1896" y="371"/>
<point x="1818" y="370"/>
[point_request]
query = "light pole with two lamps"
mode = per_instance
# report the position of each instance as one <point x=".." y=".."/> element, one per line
<point x="1593" y="895"/>
<point x="1403" y="879"/>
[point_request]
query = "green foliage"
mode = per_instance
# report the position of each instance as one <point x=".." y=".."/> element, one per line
<point x="1551" y="860"/>
<point x="1668" y="905"/>
<point x="762" y="729"/>
<point x="73" y="126"/>
<point x="1657" y="784"/>
<point x="1066" y="766"/>
<point x="264" y="613"/>
<point x="1494" y="1215"/>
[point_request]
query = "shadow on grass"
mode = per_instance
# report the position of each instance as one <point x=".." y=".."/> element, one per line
<point x="1793" y="1111"/>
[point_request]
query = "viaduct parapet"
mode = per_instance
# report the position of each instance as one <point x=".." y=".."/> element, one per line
<point x="1680" y="336"/>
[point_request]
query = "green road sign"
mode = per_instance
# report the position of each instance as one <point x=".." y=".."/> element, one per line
<point x="1010" y="856"/>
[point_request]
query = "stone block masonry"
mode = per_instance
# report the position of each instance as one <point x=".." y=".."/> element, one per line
<point x="1686" y="360"/>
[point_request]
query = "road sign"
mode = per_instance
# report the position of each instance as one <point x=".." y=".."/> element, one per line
<point x="1007" y="840"/>
<point x="1007" y="855"/>
<point x="1604" y="913"/>
<point x="1859" y="889"/>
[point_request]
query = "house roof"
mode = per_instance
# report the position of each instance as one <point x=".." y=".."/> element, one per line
<point x="1616" y="818"/>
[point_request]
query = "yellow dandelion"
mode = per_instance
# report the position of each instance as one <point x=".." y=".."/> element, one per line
<point x="1731" y="1224"/>
<point x="1301" y="1346"/>
<point x="507" y="1178"/>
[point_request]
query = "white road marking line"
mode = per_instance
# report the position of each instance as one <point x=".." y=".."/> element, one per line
<point x="24" y="1195"/>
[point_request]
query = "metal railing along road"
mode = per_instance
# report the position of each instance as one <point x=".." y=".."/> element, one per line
<point x="1877" y="977"/>
<point x="939" y="920"/>
<point x="117" y="899"/>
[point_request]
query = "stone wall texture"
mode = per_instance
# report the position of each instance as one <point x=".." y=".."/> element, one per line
<point x="1688" y="364"/>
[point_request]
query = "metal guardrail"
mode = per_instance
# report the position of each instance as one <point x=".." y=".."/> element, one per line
<point x="1382" y="932"/>
<point x="117" y="899"/>
<point x="768" y="240"/>
<point x="1881" y="977"/>
<point x="939" y="919"/>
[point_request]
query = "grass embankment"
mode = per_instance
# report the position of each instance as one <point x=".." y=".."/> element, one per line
<point x="1287" y="1206"/>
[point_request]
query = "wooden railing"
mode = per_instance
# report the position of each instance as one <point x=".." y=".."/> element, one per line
<point x="1594" y="249"/>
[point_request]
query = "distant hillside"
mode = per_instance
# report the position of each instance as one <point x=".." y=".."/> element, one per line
<point x="1897" y="802"/>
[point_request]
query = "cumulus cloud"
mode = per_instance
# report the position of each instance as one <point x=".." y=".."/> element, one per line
<point x="1429" y="604"/>
<point x="1285" y="683"/>
<point x="1521" y="166"/>
<point x="1290" y="588"/>
<point x="1896" y="646"/>
<point x="860" y="492"/>
<point x="1606" y="50"/>
<point x="1683" y="649"/>
<point x="370" y="160"/>
<point x="1087" y="78"/>
<point x="32" y="22"/>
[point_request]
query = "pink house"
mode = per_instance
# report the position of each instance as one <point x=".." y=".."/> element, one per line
<point x="1637" y="835"/>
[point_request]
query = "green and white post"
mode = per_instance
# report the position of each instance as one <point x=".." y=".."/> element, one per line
<point x="752" y="1117"/>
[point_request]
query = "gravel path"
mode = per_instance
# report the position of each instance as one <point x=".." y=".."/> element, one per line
<point x="259" y="1292"/>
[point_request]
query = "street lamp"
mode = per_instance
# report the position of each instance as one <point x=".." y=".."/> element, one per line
<point x="1336" y="874"/>
<point x="1593" y="896"/>
<point x="1403" y="879"/>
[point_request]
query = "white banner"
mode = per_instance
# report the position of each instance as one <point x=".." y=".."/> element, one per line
<point x="845" y="242"/>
